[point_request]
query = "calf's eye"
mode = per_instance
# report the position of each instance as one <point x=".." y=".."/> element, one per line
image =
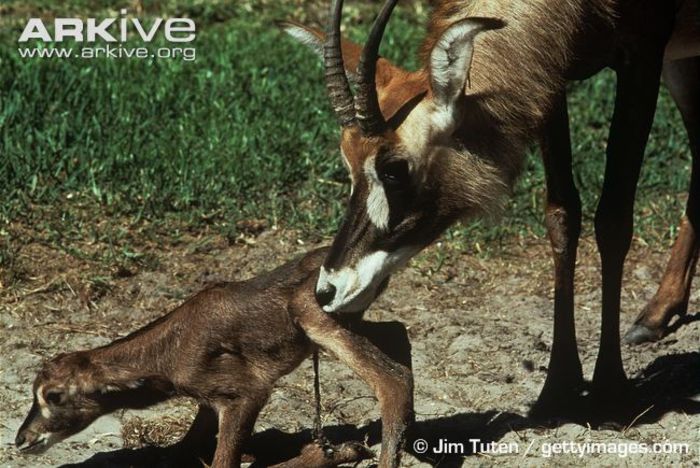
<point x="54" y="397"/>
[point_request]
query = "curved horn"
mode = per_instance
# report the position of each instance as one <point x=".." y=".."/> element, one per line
<point x="367" y="102"/>
<point x="336" y="80"/>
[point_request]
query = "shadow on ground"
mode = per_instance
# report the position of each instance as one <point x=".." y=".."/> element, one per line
<point x="681" y="322"/>
<point x="668" y="384"/>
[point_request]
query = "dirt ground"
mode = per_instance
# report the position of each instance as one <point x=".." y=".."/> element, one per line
<point x="480" y="330"/>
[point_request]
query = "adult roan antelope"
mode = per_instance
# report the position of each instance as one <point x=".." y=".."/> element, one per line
<point x="427" y="148"/>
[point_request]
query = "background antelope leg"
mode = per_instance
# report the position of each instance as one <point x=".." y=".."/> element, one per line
<point x="682" y="78"/>
<point x="635" y="104"/>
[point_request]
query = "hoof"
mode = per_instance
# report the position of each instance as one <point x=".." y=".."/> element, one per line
<point x="351" y="452"/>
<point x="639" y="333"/>
<point x="614" y="401"/>
<point x="566" y="402"/>
<point x="572" y="408"/>
<point x="319" y="454"/>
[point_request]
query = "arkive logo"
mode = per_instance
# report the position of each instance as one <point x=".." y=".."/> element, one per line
<point x="109" y="29"/>
<point x="122" y="37"/>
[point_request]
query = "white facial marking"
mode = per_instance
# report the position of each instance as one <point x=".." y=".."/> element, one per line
<point x="355" y="287"/>
<point x="43" y="406"/>
<point x="346" y="163"/>
<point x="322" y="282"/>
<point x="40" y="395"/>
<point x="377" y="203"/>
<point x="368" y="267"/>
<point x="46" y="440"/>
<point x="41" y="444"/>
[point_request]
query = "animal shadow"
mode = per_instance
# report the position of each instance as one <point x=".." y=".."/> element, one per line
<point x="681" y="322"/>
<point x="669" y="384"/>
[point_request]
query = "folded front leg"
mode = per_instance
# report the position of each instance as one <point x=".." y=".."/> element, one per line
<point x="391" y="382"/>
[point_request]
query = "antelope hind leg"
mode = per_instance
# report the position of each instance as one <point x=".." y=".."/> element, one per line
<point x="683" y="80"/>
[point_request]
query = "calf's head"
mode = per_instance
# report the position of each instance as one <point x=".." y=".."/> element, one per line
<point x="62" y="406"/>
<point x="411" y="177"/>
<point x="71" y="391"/>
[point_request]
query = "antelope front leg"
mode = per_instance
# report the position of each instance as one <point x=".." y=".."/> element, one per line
<point x="236" y="420"/>
<point x="391" y="382"/>
<point x="563" y="219"/>
<point x="635" y="103"/>
<point x="682" y="78"/>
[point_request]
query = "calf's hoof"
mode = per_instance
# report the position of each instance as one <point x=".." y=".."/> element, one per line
<point x="348" y="452"/>
<point x="319" y="454"/>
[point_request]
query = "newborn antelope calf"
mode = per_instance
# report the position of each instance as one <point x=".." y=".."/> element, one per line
<point x="226" y="347"/>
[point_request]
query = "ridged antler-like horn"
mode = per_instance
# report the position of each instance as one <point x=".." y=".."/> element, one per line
<point x="336" y="79"/>
<point x="369" y="114"/>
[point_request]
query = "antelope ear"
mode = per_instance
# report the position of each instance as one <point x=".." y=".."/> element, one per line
<point x="451" y="58"/>
<point x="116" y="386"/>
<point x="154" y="382"/>
<point x="310" y="37"/>
<point x="314" y="39"/>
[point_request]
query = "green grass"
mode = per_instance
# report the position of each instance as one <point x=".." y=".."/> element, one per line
<point x="244" y="131"/>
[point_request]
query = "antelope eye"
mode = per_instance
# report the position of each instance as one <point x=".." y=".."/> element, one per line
<point x="54" y="397"/>
<point x="394" y="172"/>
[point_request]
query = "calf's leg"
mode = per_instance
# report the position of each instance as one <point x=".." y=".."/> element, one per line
<point x="391" y="382"/>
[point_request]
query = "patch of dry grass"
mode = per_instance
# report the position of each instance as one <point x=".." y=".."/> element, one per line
<point x="139" y="432"/>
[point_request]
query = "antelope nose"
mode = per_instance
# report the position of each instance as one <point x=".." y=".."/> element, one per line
<point x="20" y="440"/>
<point x="325" y="295"/>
